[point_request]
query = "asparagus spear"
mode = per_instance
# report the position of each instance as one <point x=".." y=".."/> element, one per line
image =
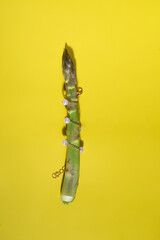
<point x="71" y="173"/>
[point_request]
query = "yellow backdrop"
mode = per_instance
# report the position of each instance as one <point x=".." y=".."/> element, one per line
<point x="117" y="48"/>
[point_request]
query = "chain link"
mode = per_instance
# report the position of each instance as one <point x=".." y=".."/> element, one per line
<point x="79" y="91"/>
<point x="58" y="173"/>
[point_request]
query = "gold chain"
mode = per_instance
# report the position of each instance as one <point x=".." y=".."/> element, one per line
<point x="61" y="170"/>
<point x="58" y="173"/>
<point x="79" y="91"/>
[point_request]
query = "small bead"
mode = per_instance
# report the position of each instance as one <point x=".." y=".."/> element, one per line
<point x="80" y="130"/>
<point x="65" y="102"/>
<point x="64" y="142"/>
<point x="81" y="149"/>
<point x="67" y="120"/>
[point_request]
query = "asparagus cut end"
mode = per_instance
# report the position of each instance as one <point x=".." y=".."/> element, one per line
<point x="66" y="199"/>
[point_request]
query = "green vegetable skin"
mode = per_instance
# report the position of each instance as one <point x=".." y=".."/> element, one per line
<point x="71" y="173"/>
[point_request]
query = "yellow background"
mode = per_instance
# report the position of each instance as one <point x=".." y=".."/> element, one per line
<point x="117" y="48"/>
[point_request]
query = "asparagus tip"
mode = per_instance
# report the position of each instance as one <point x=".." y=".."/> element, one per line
<point x="67" y="64"/>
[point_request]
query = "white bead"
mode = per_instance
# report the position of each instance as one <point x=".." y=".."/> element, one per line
<point x="81" y="149"/>
<point x="64" y="142"/>
<point x="65" y="102"/>
<point x="67" y="120"/>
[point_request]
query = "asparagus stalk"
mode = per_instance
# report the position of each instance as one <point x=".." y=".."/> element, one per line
<point x="71" y="173"/>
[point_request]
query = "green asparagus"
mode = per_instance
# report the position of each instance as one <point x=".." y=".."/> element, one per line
<point x="72" y="162"/>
